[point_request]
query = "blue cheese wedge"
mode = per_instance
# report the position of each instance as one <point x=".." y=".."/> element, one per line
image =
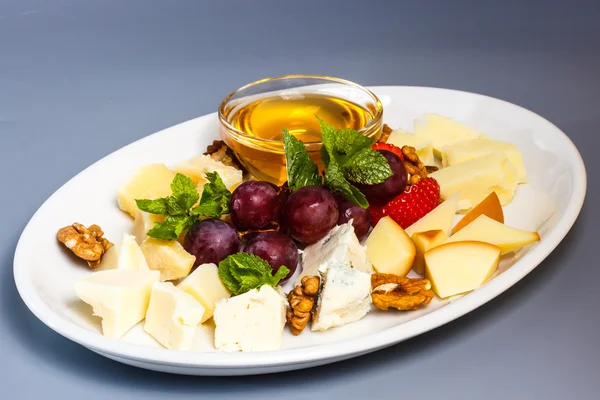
<point x="340" y="246"/>
<point x="345" y="297"/>
<point x="252" y="321"/>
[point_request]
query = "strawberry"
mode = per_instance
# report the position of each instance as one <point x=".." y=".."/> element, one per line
<point x="389" y="147"/>
<point x="411" y="205"/>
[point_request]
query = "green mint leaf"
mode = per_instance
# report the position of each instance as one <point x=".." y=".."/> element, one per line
<point x="335" y="181"/>
<point x="227" y="277"/>
<point x="334" y="177"/>
<point x="368" y="167"/>
<point x="172" y="227"/>
<point x="174" y="208"/>
<point x="182" y="185"/>
<point x="349" y="141"/>
<point x="354" y="156"/>
<point x="301" y="169"/>
<point x="242" y="272"/>
<point x="157" y="206"/>
<point x="281" y="273"/>
<point x="215" y="199"/>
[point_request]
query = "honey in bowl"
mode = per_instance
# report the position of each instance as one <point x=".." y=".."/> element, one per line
<point x="252" y="118"/>
<point x="264" y="118"/>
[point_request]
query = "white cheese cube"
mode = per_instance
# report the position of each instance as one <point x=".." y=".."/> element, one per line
<point x="205" y="286"/>
<point x="252" y="321"/>
<point x="345" y="297"/>
<point x="119" y="296"/>
<point x="340" y="246"/>
<point x="172" y="316"/>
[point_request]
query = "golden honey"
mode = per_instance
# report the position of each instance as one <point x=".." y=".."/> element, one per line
<point x="252" y="125"/>
<point x="266" y="117"/>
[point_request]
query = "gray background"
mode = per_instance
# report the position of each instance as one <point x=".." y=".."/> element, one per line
<point x="80" y="79"/>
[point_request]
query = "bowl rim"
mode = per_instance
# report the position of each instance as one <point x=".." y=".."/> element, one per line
<point x="377" y="118"/>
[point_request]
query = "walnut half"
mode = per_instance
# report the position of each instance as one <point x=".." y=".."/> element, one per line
<point x="302" y="301"/>
<point x="399" y="292"/>
<point x="86" y="243"/>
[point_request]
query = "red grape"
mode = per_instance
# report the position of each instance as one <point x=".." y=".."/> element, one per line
<point x="384" y="192"/>
<point x="211" y="241"/>
<point x="361" y="217"/>
<point x="276" y="248"/>
<point x="254" y="204"/>
<point x="309" y="214"/>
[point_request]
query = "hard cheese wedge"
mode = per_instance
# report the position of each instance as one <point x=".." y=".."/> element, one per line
<point x="143" y="223"/>
<point x="485" y="229"/>
<point x="168" y="257"/>
<point x="390" y="249"/>
<point x="425" y="241"/>
<point x="440" y="218"/>
<point x="442" y="131"/>
<point x="489" y="206"/>
<point x="252" y="321"/>
<point x="148" y="182"/>
<point x="172" y="316"/>
<point x="483" y="146"/>
<point x="456" y="268"/>
<point x="206" y="287"/>
<point x="119" y="296"/>
<point x="424" y="147"/>
<point x="477" y="178"/>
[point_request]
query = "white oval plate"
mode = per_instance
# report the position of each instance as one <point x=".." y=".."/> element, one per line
<point x="45" y="272"/>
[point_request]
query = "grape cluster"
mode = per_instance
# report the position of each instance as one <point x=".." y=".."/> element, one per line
<point x="304" y="216"/>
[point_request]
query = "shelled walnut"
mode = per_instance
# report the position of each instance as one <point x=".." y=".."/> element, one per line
<point x="400" y="292"/>
<point x="302" y="301"/>
<point x="219" y="151"/>
<point x="86" y="243"/>
<point x="385" y="133"/>
<point x="413" y="165"/>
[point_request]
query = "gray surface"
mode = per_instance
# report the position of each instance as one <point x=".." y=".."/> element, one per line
<point x="80" y="79"/>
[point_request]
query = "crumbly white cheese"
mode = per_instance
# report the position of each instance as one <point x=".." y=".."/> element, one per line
<point x="345" y="297"/>
<point x="340" y="246"/>
<point x="252" y="321"/>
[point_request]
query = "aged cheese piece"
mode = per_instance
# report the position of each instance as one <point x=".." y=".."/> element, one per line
<point x="477" y="178"/>
<point x="148" y="182"/>
<point x="460" y="267"/>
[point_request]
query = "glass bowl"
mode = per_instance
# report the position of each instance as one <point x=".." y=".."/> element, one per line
<point x="262" y="152"/>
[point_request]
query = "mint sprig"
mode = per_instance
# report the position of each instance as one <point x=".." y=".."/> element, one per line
<point x="242" y="272"/>
<point x="347" y="156"/>
<point x="180" y="215"/>
<point x="216" y="198"/>
<point x="301" y="170"/>
<point x="353" y="153"/>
